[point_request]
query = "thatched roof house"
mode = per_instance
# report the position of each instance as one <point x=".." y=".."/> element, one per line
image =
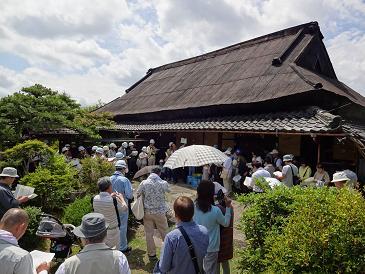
<point x="279" y="84"/>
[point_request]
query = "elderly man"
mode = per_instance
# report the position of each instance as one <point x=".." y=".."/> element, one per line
<point x="340" y="179"/>
<point x="7" y="199"/>
<point x="153" y="191"/>
<point x="111" y="205"/>
<point x="83" y="153"/>
<point x="14" y="259"/>
<point x="176" y="257"/>
<point x="290" y="171"/>
<point x="277" y="162"/>
<point x="122" y="185"/>
<point x="152" y="151"/>
<point x="96" y="257"/>
<point x="226" y="174"/>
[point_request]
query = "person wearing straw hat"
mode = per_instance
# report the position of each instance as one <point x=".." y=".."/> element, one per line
<point x="96" y="257"/>
<point x="340" y="179"/>
<point x="7" y="199"/>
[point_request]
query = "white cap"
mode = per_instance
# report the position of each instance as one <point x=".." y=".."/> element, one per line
<point x="274" y="151"/>
<point x="339" y="177"/>
<point x="81" y="148"/>
<point x="99" y="150"/>
<point x="144" y="149"/>
<point x="125" y="144"/>
<point x="121" y="164"/>
<point x="131" y="144"/>
<point x="94" y="148"/>
<point x="288" y="158"/>
<point x="67" y="145"/>
<point x="105" y="148"/>
<point x="171" y="143"/>
<point x="64" y="149"/>
<point x="119" y="155"/>
<point x="152" y="141"/>
<point x="112" y="145"/>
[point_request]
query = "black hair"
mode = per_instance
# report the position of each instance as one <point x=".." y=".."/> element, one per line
<point x="205" y="193"/>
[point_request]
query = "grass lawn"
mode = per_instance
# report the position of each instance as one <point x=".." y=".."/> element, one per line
<point x="139" y="261"/>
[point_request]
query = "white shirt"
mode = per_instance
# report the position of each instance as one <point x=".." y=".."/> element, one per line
<point x="260" y="172"/>
<point x="228" y="164"/>
<point x="288" y="174"/>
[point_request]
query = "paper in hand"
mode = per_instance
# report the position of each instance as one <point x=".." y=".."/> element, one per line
<point x="24" y="191"/>
<point x="40" y="257"/>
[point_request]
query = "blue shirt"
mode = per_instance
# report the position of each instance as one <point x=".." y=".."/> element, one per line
<point x="175" y="256"/>
<point x="211" y="220"/>
<point x="122" y="185"/>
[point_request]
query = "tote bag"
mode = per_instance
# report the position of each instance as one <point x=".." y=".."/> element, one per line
<point x="137" y="208"/>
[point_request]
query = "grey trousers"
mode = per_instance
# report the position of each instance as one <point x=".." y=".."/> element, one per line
<point x="210" y="263"/>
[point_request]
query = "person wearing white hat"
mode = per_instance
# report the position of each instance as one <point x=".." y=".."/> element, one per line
<point x="226" y="173"/>
<point x="112" y="150"/>
<point x="276" y="161"/>
<point x="122" y="185"/>
<point x="142" y="158"/>
<point x="340" y="179"/>
<point x="99" y="153"/>
<point x="151" y="151"/>
<point x="83" y="153"/>
<point x="7" y="199"/>
<point x="290" y="172"/>
<point x="123" y="149"/>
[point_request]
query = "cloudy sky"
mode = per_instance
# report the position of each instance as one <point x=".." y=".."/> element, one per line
<point x="95" y="49"/>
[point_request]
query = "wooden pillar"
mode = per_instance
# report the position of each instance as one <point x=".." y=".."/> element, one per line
<point x="318" y="149"/>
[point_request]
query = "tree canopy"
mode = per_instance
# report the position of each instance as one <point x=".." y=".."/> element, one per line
<point x="38" y="109"/>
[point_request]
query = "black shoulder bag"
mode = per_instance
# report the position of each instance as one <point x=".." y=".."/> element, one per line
<point x="296" y="180"/>
<point x="191" y="250"/>
<point x="115" y="203"/>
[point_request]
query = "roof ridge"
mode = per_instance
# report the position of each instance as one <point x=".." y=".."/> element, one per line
<point x="253" y="41"/>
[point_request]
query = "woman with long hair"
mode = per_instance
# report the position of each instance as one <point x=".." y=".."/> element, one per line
<point x="210" y="216"/>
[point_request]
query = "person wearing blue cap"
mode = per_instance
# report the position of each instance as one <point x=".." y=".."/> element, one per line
<point x="122" y="185"/>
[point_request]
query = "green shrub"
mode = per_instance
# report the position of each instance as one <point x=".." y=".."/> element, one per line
<point x="53" y="183"/>
<point x="73" y="212"/>
<point x="304" y="231"/>
<point x="23" y="155"/>
<point x="30" y="241"/>
<point x="93" y="169"/>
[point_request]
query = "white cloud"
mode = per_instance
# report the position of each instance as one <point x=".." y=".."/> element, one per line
<point x="95" y="49"/>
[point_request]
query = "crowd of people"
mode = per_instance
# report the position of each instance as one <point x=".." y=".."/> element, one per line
<point x="203" y="237"/>
<point x="286" y="170"/>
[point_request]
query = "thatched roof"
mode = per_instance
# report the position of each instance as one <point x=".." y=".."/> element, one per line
<point x="286" y="63"/>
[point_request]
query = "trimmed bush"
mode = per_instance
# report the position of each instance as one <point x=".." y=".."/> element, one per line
<point x="30" y="241"/>
<point x="53" y="183"/>
<point x="93" y="169"/>
<point x="304" y="230"/>
<point x="75" y="211"/>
